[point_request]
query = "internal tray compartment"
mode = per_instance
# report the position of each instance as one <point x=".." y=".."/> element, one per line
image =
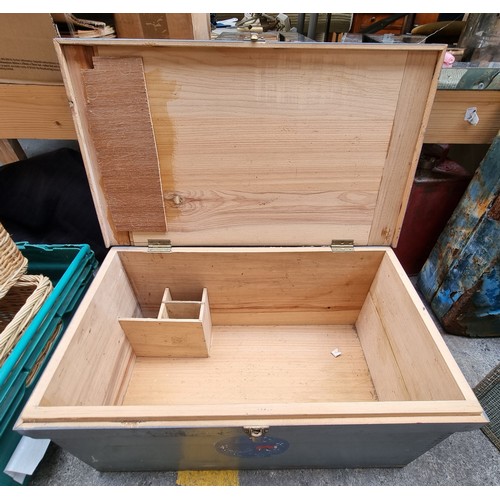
<point x="276" y="316"/>
<point x="182" y="329"/>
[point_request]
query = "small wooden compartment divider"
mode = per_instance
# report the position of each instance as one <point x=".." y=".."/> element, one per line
<point x="183" y="329"/>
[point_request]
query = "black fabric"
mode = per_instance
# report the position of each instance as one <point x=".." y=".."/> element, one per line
<point x="47" y="200"/>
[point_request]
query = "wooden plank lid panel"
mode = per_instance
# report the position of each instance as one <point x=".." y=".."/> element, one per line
<point x="273" y="144"/>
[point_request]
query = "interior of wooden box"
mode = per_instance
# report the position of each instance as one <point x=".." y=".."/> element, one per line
<point x="271" y="319"/>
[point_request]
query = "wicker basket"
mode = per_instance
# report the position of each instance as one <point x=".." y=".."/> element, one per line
<point x="21" y="296"/>
<point x="19" y="306"/>
<point x="12" y="263"/>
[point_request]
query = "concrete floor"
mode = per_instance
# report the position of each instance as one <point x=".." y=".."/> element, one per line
<point x="462" y="459"/>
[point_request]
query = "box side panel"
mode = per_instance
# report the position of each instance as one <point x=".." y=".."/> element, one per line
<point x="384" y="370"/>
<point x="418" y="88"/>
<point x="425" y="371"/>
<point x="261" y="287"/>
<point x="335" y="446"/>
<point x="91" y="367"/>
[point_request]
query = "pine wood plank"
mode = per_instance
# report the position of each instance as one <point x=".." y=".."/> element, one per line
<point x="267" y="364"/>
<point x="257" y="286"/>
<point x="118" y="115"/>
<point x="230" y="179"/>
<point x="167" y="297"/>
<point x="447" y="124"/>
<point x="181" y="310"/>
<point x="417" y="92"/>
<point x="206" y="319"/>
<point x="91" y="365"/>
<point x="423" y="360"/>
<point x="202" y="30"/>
<point x="431" y="329"/>
<point x="278" y="199"/>
<point x="224" y="169"/>
<point x="35" y="112"/>
<point x="250" y="46"/>
<point x="383" y="365"/>
<point x="179" y="26"/>
<point x="165" y="338"/>
<point x="370" y="413"/>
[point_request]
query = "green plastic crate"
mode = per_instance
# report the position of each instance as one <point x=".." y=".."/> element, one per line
<point x="71" y="269"/>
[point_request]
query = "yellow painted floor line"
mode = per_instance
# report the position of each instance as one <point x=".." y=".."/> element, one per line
<point x="207" y="478"/>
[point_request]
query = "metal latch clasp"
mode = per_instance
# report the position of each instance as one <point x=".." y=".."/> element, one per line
<point x="255" y="432"/>
<point x="159" y="246"/>
<point x="342" y="245"/>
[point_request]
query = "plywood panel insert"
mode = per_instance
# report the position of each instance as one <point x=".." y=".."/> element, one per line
<point x="122" y="134"/>
<point x="266" y="364"/>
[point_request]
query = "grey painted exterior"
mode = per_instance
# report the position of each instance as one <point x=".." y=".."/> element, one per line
<point x="283" y="447"/>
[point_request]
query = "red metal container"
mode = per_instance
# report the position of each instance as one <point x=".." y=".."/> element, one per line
<point x="438" y="187"/>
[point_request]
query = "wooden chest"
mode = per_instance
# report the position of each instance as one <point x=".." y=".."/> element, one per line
<point x="228" y="326"/>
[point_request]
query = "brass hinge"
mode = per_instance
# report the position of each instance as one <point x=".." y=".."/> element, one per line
<point x="159" y="246"/>
<point x="254" y="37"/>
<point x="342" y="245"/>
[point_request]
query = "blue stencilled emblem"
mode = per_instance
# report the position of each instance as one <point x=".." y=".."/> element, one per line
<point x="245" y="447"/>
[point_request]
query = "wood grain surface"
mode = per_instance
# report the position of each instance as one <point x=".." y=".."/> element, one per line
<point x="35" y="112"/>
<point x="285" y="146"/>
<point x="266" y="364"/>
<point x="118" y="116"/>
<point x="260" y="287"/>
<point x="447" y="124"/>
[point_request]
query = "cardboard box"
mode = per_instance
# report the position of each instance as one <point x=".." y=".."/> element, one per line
<point x="27" y="54"/>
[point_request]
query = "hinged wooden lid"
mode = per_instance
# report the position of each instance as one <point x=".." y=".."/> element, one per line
<point x="216" y="143"/>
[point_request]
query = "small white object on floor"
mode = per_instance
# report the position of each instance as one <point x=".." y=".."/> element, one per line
<point x="26" y="457"/>
<point x="336" y="353"/>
